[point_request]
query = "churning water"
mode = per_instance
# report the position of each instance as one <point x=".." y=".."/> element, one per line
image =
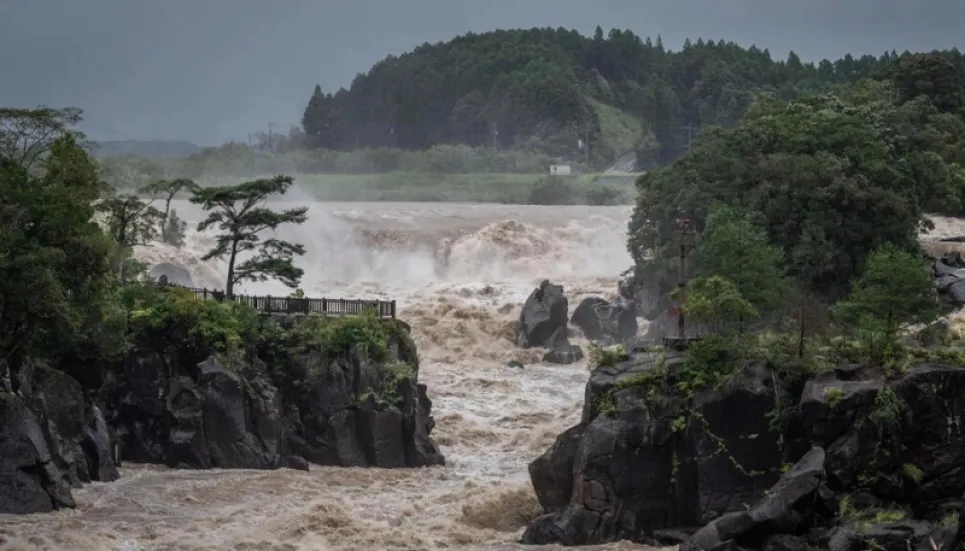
<point x="460" y="274"/>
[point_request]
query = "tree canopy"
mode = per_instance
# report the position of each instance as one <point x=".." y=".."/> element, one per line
<point x="240" y="213"/>
<point x="546" y="88"/>
<point x="833" y="175"/>
<point x="56" y="289"/>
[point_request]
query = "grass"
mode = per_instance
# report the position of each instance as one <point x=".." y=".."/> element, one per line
<point x="620" y="130"/>
<point x="482" y="187"/>
<point x="457" y="188"/>
<point x="865" y="519"/>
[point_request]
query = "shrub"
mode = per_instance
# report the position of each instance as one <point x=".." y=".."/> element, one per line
<point x="552" y="190"/>
<point x="164" y="316"/>
<point x="338" y="336"/>
<point x="600" y="356"/>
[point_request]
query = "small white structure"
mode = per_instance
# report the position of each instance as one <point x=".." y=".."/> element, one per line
<point x="560" y="170"/>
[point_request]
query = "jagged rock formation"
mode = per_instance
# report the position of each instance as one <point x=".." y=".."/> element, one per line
<point x="163" y="406"/>
<point x="542" y="323"/>
<point x="842" y="459"/>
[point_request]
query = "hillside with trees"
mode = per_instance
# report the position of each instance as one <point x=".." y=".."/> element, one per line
<point x="806" y="404"/>
<point x="830" y="176"/>
<point x="546" y="89"/>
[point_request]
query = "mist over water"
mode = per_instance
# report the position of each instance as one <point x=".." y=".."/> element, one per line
<point x="460" y="274"/>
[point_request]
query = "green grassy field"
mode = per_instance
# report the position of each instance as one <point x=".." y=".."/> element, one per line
<point x="619" y="129"/>
<point x="469" y="188"/>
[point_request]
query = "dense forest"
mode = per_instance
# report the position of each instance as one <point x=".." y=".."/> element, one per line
<point x="551" y="89"/>
<point x="829" y="177"/>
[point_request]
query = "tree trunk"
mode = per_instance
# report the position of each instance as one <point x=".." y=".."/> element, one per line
<point x="164" y="219"/>
<point x="230" y="284"/>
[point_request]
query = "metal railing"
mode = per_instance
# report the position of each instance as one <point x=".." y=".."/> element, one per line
<point x="304" y="305"/>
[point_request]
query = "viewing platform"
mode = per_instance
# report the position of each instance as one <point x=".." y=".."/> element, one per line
<point x="268" y="305"/>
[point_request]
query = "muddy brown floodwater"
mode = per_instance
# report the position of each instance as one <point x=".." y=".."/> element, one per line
<point x="460" y="274"/>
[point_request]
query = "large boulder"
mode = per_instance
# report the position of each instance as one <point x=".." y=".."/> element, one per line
<point x="356" y="412"/>
<point x="650" y="458"/>
<point x="949" y="277"/>
<point x="609" y="323"/>
<point x="347" y="410"/>
<point x="665" y="446"/>
<point x="878" y="433"/>
<point x="242" y="422"/>
<point x="787" y="507"/>
<point x="647" y="295"/>
<point x="552" y="472"/>
<point x="76" y="432"/>
<point x="30" y="480"/>
<point x="178" y="275"/>
<point x="199" y="416"/>
<point x="543" y="319"/>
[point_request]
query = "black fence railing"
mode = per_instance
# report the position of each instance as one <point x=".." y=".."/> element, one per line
<point x="307" y="306"/>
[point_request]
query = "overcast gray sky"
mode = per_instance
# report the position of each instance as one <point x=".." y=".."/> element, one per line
<point x="213" y="70"/>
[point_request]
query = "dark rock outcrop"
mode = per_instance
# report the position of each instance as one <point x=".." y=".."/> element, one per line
<point x="646" y="462"/>
<point x="162" y="406"/>
<point x="351" y="411"/>
<point x="877" y="461"/>
<point x="542" y="322"/>
<point x="563" y="352"/>
<point x="786" y="507"/>
<point x="30" y="479"/>
<point x="949" y="277"/>
<point x="646" y="295"/>
<point x="605" y="322"/>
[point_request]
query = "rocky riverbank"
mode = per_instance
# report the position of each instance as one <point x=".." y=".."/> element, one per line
<point x="287" y="406"/>
<point x="760" y="454"/>
<point x="849" y="457"/>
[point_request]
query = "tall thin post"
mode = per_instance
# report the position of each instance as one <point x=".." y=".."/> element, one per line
<point x="685" y="242"/>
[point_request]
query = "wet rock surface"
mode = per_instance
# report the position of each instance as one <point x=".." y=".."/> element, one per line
<point x="161" y="408"/>
<point x="863" y="460"/>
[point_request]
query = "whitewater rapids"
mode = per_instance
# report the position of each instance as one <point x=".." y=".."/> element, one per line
<point x="460" y="274"/>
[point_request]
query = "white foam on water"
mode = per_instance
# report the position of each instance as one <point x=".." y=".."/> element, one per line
<point x="460" y="274"/>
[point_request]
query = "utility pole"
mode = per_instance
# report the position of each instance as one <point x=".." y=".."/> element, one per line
<point x="586" y="146"/>
<point x="270" y="146"/>
<point x="685" y="234"/>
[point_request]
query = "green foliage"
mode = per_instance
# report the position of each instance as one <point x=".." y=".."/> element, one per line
<point x="239" y="212"/>
<point x="543" y="88"/>
<point x="735" y="247"/>
<point x="392" y="374"/>
<point x="165" y="316"/>
<point x="339" y="336"/>
<point x="606" y="356"/>
<point x="912" y="473"/>
<point x="171" y="228"/>
<point x="894" y="289"/>
<point x="174" y="229"/>
<point x="710" y="362"/>
<point x="950" y="520"/>
<point x="808" y="166"/>
<point x="865" y="519"/>
<point x="57" y="296"/>
<point x="833" y="394"/>
<point x="28" y="135"/>
<point x="130" y="221"/>
<point x="553" y="190"/>
<point x="716" y="304"/>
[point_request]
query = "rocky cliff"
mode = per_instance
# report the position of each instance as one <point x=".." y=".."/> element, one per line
<point x="849" y="458"/>
<point x="189" y="408"/>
